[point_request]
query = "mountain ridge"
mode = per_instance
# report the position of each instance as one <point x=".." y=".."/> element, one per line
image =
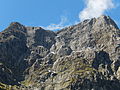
<point x="79" y="57"/>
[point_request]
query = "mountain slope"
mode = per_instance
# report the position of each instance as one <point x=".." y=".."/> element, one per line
<point x="80" y="57"/>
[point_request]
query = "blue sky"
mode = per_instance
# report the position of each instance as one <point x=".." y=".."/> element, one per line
<point x="46" y="12"/>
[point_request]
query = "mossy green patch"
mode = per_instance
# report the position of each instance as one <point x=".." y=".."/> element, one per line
<point x="8" y="87"/>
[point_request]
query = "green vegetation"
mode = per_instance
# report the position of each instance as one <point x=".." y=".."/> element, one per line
<point x="72" y="69"/>
<point x="8" y="87"/>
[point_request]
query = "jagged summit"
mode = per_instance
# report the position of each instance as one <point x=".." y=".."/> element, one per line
<point x="107" y="20"/>
<point x="15" y="23"/>
<point x="85" y="56"/>
<point x="100" y="22"/>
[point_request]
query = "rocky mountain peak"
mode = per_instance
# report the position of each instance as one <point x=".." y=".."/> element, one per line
<point x="100" y="22"/>
<point x="16" y="26"/>
<point x="106" y="20"/>
<point x="85" y="56"/>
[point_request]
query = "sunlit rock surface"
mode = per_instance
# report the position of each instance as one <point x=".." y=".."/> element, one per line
<point x="85" y="56"/>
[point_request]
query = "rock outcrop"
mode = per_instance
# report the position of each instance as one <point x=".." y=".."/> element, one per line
<point x="85" y="56"/>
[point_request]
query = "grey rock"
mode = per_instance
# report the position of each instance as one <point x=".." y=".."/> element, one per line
<point x="85" y="56"/>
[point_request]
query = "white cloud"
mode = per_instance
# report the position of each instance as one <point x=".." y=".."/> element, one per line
<point x="95" y="8"/>
<point x="61" y="25"/>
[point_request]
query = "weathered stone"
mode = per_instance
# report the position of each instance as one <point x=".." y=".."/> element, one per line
<point x="85" y="56"/>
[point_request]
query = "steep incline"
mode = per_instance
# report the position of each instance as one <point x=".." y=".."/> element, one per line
<point x="80" y="57"/>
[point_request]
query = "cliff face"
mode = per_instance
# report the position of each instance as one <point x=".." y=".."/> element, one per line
<point x="80" y="57"/>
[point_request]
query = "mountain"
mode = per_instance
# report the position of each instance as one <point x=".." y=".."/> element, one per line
<point x="85" y="56"/>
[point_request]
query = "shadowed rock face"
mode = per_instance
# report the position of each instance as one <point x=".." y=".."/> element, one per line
<point x="80" y="57"/>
